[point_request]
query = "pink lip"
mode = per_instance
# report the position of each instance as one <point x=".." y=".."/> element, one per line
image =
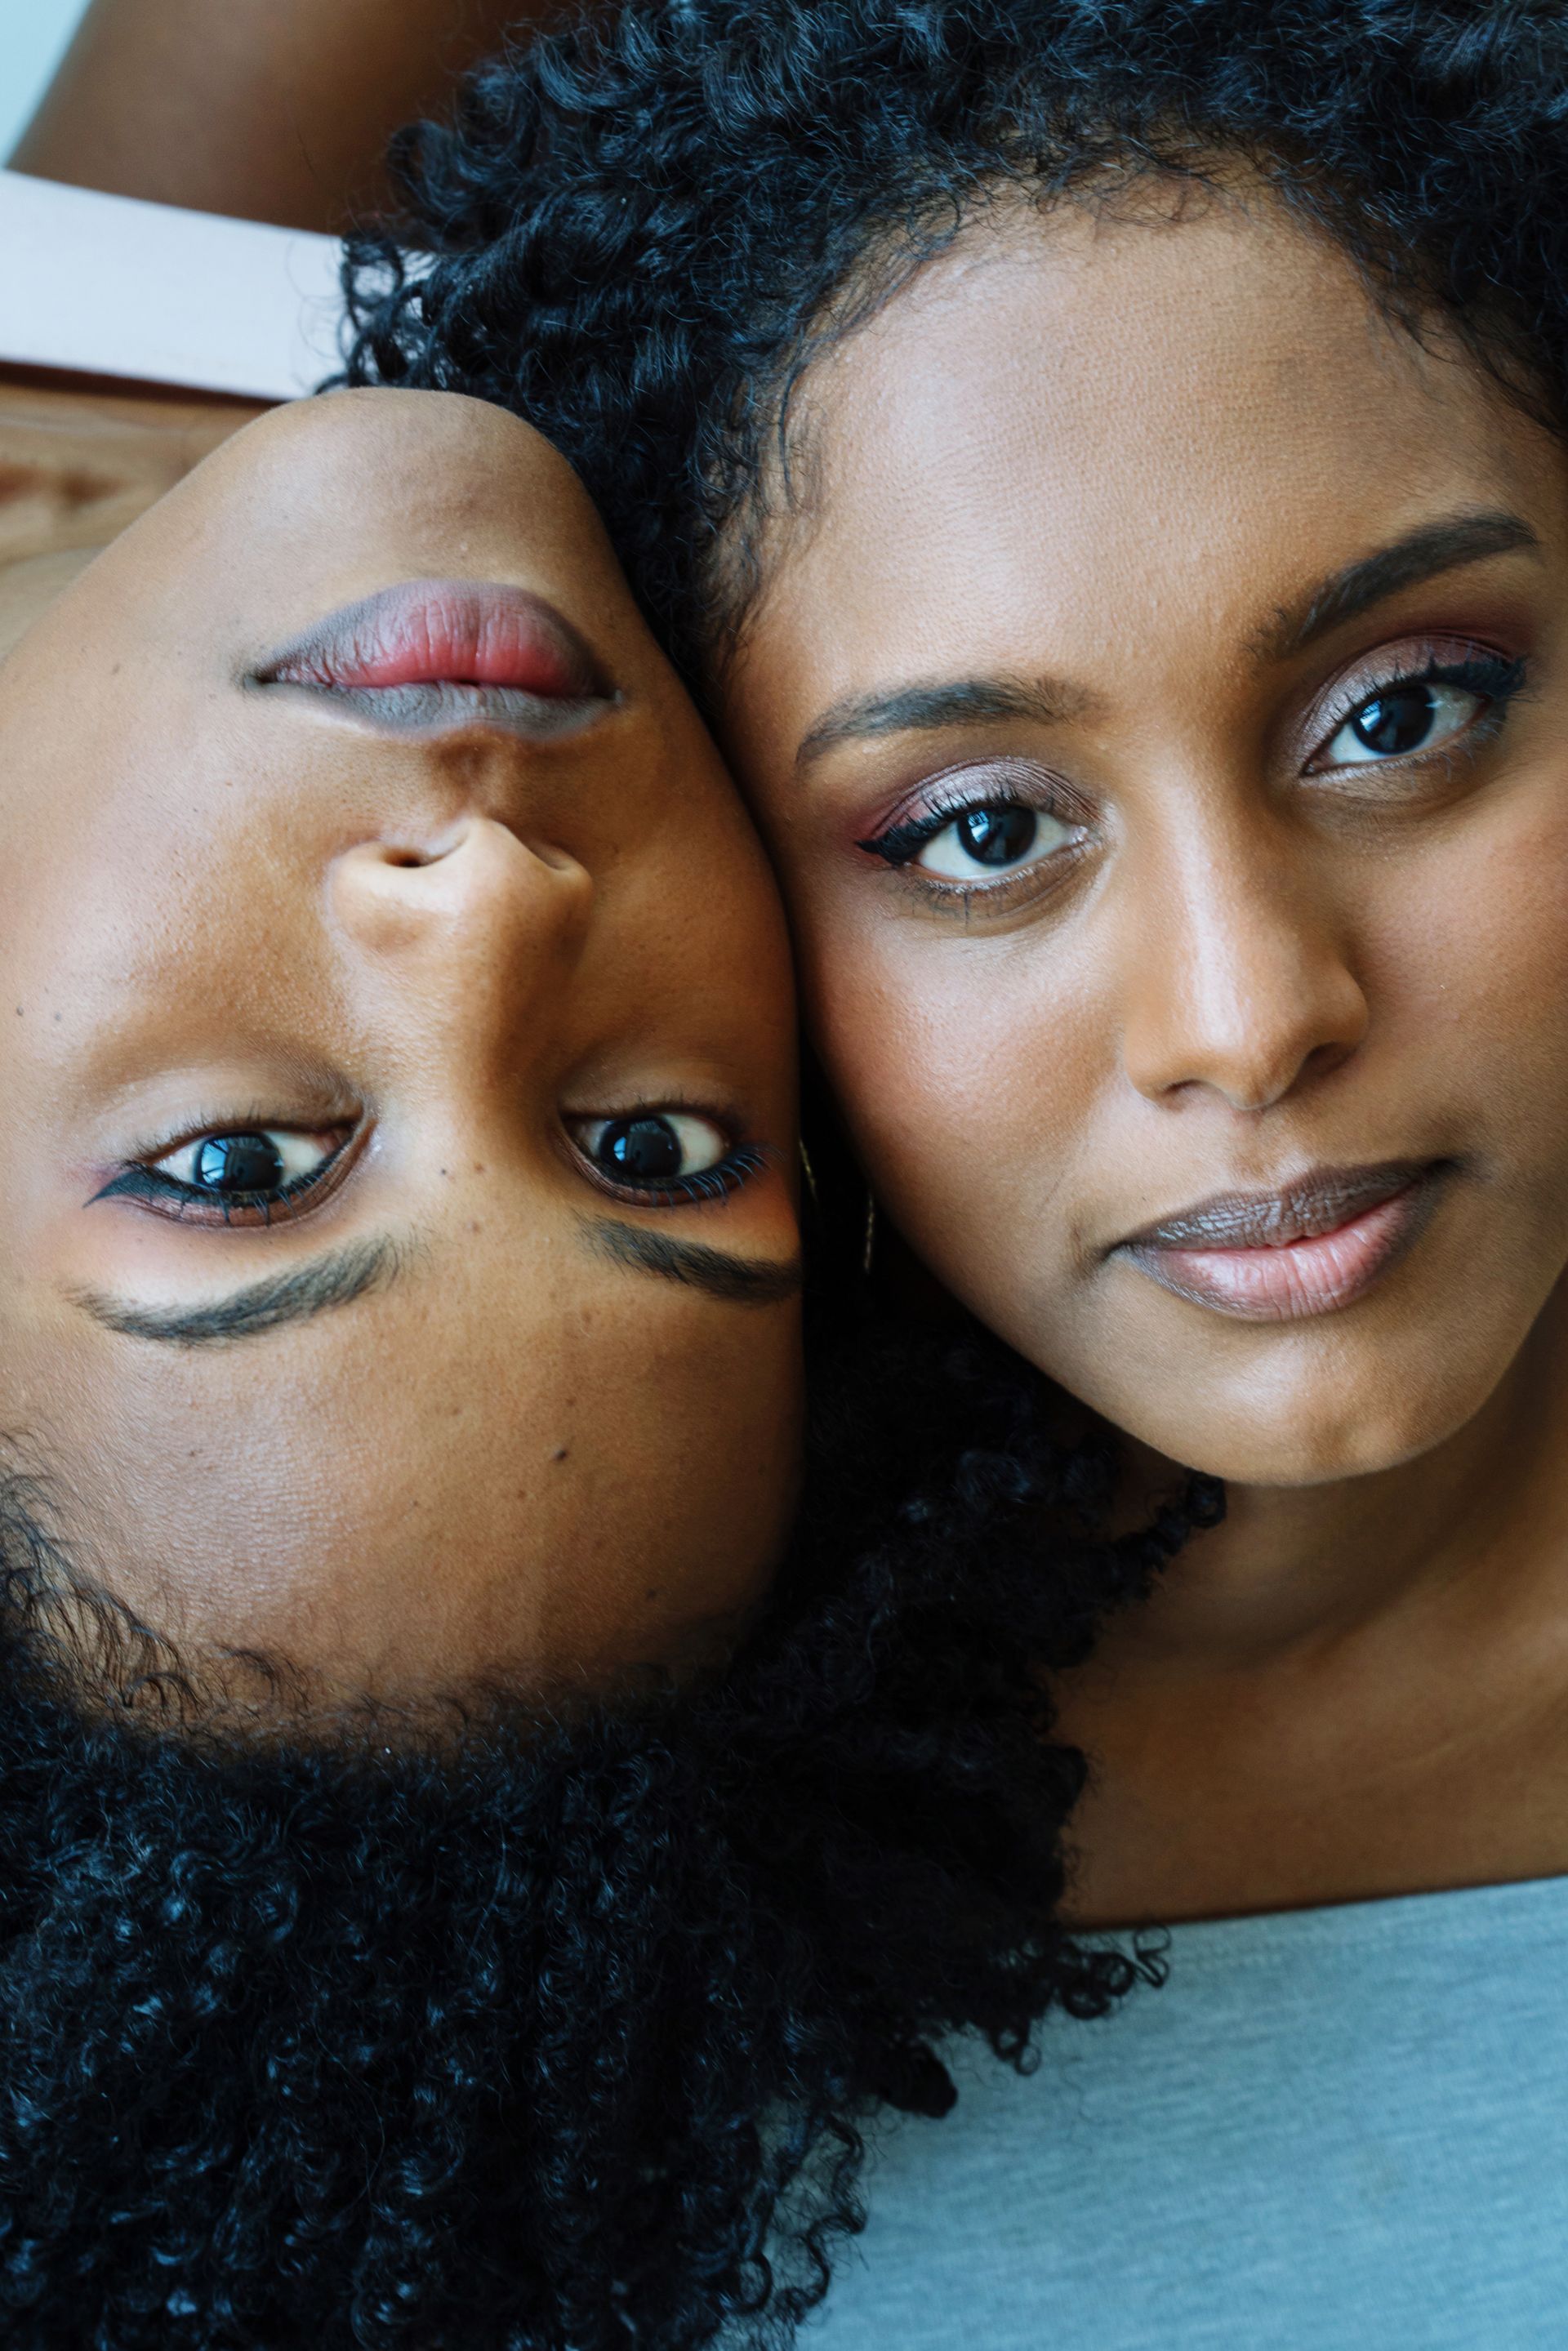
<point x="444" y="633"/>
<point x="1311" y="1272"/>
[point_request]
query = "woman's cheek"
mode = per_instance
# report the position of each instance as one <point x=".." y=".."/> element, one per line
<point x="1468" y="966"/>
<point x="972" y="1079"/>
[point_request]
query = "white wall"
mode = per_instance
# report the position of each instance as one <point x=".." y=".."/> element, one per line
<point x="33" y="36"/>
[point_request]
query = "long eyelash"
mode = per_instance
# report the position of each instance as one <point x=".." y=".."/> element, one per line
<point x="708" y="1184"/>
<point x="140" y="1182"/>
<point x="901" y="842"/>
<point x="1491" y="675"/>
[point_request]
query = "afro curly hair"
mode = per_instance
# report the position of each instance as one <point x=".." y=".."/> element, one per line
<point x="560" y="2035"/>
<point x="644" y="226"/>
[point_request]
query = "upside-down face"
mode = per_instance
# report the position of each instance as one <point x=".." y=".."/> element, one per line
<point x="401" y="1251"/>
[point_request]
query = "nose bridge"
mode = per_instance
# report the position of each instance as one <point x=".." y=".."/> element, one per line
<point x="474" y="928"/>
<point x="1239" y="975"/>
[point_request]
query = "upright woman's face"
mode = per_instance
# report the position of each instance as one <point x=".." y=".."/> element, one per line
<point x="398" y="1244"/>
<point x="1160" y="719"/>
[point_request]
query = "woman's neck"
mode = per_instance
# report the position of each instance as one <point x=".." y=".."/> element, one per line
<point x="1345" y="1689"/>
<point x="1311" y="1564"/>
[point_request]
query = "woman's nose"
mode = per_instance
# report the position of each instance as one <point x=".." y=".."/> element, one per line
<point x="473" y="923"/>
<point x="1240" y="983"/>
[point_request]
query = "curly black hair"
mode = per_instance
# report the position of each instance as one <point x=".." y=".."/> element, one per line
<point x="554" y="2034"/>
<point x="644" y="227"/>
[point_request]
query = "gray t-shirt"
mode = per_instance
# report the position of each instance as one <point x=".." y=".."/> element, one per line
<point x="1329" y="2130"/>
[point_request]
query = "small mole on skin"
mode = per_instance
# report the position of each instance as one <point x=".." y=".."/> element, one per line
<point x="560" y="1453"/>
<point x="474" y="1225"/>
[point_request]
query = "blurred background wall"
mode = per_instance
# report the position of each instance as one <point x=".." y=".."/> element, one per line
<point x="33" y="36"/>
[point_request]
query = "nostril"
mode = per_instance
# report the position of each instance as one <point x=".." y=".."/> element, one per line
<point x="560" y="861"/>
<point x="459" y="867"/>
<point x="413" y="856"/>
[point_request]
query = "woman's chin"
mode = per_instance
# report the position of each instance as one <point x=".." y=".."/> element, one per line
<point x="1309" y="1426"/>
<point x="1250" y="1455"/>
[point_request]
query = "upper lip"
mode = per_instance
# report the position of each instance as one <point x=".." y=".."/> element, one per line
<point x="1319" y="1202"/>
<point x="442" y="632"/>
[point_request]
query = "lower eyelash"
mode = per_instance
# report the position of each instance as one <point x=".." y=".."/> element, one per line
<point x="709" y="1184"/>
<point x="152" y="1186"/>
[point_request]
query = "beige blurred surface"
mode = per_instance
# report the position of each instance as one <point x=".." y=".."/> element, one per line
<point x="80" y="460"/>
<point x="266" y="110"/>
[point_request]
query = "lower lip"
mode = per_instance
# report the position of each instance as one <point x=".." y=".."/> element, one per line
<point x="441" y="632"/>
<point x="1298" y="1279"/>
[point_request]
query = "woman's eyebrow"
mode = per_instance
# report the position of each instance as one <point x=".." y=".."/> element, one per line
<point x="1421" y="554"/>
<point x="335" y="1280"/>
<point x="738" y="1280"/>
<point x="954" y="702"/>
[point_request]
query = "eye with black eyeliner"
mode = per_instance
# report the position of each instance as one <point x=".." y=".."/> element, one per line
<point x="662" y="1157"/>
<point x="1423" y="712"/>
<point x="243" y="1176"/>
<point x="980" y="829"/>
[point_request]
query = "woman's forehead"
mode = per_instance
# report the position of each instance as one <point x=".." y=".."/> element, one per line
<point x="1068" y="408"/>
<point x="1040" y="339"/>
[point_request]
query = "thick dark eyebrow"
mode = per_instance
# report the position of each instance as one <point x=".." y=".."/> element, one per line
<point x="738" y="1280"/>
<point x="1421" y="554"/>
<point x="959" y="702"/>
<point x="293" y="1296"/>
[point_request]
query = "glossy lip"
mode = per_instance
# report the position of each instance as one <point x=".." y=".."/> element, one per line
<point x="443" y="633"/>
<point x="1315" y="1246"/>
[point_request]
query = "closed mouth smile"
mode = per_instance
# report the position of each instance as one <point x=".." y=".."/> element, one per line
<point x="1315" y="1246"/>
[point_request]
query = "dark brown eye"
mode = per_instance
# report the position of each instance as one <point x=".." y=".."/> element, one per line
<point x="652" y="1148"/>
<point x="253" y="1163"/>
<point x="237" y="1163"/>
<point x="1402" y="720"/>
<point x="1398" y="722"/>
<point x="990" y="837"/>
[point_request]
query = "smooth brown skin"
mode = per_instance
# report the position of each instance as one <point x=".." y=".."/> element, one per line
<point x="265" y="109"/>
<point x="224" y="904"/>
<point x="1113" y="453"/>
